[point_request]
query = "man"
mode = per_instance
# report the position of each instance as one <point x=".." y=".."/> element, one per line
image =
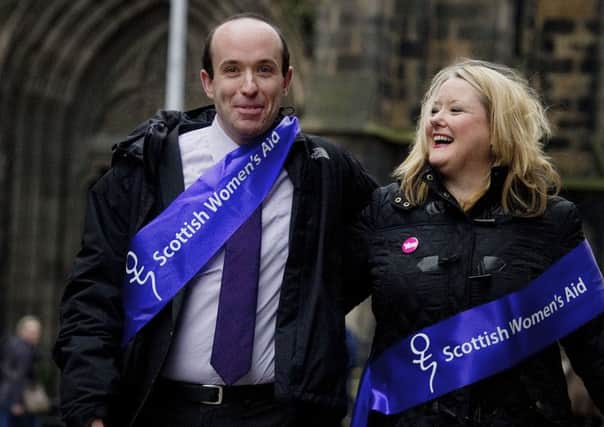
<point x="18" y="357"/>
<point x="172" y="369"/>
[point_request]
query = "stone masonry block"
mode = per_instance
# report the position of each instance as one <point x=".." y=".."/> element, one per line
<point x="475" y="32"/>
<point x="569" y="86"/>
<point x="553" y="65"/>
<point x="567" y="9"/>
<point x="457" y="10"/>
<point x="412" y="49"/>
<point x="559" y="25"/>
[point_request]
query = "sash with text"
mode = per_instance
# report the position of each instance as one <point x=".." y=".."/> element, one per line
<point x="484" y="340"/>
<point x="166" y="253"/>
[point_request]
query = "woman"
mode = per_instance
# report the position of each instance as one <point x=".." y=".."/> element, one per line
<point x="473" y="218"/>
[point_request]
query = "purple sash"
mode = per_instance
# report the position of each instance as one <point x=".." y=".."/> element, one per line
<point x="166" y="253"/>
<point x="484" y="340"/>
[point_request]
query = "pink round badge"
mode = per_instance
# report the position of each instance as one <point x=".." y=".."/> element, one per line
<point x="410" y="245"/>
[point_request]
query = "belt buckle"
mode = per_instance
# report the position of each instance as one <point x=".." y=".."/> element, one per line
<point x="220" y="395"/>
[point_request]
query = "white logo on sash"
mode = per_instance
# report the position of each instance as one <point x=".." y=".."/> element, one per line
<point x="132" y="268"/>
<point x="423" y="357"/>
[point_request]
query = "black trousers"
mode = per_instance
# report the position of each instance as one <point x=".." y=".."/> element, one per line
<point x="167" y="412"/>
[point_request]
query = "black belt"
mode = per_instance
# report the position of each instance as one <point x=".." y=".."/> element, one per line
<point x="212" y="394"/>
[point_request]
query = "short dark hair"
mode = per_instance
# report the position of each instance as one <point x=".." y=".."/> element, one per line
<point x="207" y="48"/>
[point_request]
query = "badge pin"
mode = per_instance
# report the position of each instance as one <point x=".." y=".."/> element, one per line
<point x="410" y="245"/>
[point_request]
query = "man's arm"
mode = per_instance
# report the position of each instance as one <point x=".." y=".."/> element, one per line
<point x="91" y="318"/>
<point x="357" y="196"/>
<point x="360" y="186"/>
<point x="357" y="286"/>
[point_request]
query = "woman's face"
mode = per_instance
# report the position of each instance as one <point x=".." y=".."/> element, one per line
<point x="458" y="133"/>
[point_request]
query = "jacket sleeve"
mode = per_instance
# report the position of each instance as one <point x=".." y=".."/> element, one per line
<point x="360" y="186"/>
<point x="585" y="346"/>
<point x="357" y="286"/>
<point x="16" y="365"/>
<point x="91" y="319"/>
<point x="356" y="198"/>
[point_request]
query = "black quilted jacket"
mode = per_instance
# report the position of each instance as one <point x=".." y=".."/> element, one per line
<point x="461" y="261"/>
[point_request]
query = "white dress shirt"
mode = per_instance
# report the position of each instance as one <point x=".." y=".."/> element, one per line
<point x="189" y="356"/>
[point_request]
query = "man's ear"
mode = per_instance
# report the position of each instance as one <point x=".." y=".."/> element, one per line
<point x="207" y="83"/>
<point x="288" y="79"/>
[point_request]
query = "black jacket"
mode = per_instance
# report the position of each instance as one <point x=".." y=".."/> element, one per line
<point x="464" y="260"/>
<point x="101" y="379"/>
<point x="16" y="369"/>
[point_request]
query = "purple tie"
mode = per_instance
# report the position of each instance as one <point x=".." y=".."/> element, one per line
<point x="236" y="321"/>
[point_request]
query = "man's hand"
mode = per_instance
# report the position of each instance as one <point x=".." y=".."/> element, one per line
<point x="97" y="423"/>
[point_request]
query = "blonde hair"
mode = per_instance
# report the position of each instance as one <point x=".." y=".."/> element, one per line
<point x="518" y="129"/>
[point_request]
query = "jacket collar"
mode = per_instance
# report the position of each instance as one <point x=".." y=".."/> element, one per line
<point x="162" y="123"/>
<point x="432" y="177"/>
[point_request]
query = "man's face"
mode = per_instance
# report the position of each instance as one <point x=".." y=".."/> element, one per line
<point x="248" y="85"/>
<point x="31" y="332"/>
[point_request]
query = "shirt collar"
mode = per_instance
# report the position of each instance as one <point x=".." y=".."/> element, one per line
<point x="220" y="144"/>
